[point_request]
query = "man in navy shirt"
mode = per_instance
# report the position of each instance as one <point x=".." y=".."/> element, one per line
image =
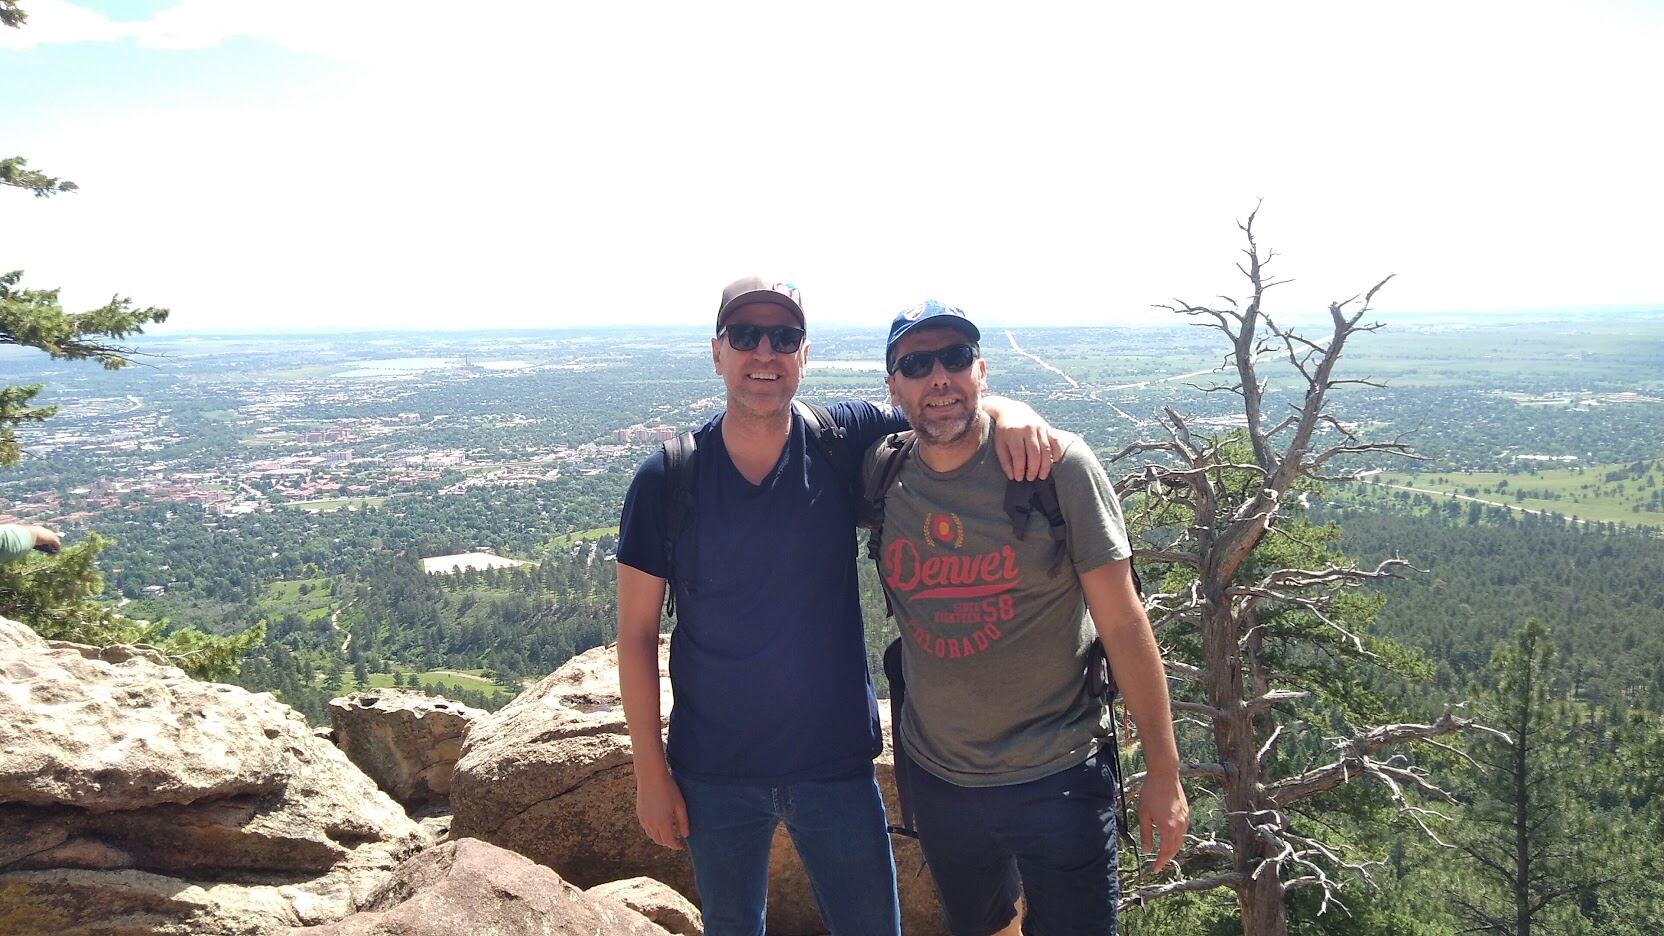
<point x="774" y="716"/>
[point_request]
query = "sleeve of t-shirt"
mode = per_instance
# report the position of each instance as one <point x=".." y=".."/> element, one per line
<point x="641" y="523"/>
<point x="15" y="542"/>
<point x="866" y="422"/>
<point x="1091" y="511"/>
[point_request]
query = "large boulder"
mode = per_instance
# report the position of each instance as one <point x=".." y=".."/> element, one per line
<point x="550" y="776"/>
<point x="656" y="901"/>
<point x="469" y="886"/>
<point x="406" y="741"/>
<point x="134" y="798"/>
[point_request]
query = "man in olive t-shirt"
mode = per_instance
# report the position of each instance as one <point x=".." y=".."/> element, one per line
<point x="999" y="722"/>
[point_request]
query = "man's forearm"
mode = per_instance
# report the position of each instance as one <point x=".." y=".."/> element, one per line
<point x="638" y="683"/>
<point x="1135" y="659"/>
<point x="639" y="596"/>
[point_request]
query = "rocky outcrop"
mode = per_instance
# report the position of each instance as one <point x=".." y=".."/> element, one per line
<point x="469" y="886"/>
<point x="407" y="742"/>
<point x="134" y="799"/>
<point x="550" y="776"/>
<point x="656" y="901"/>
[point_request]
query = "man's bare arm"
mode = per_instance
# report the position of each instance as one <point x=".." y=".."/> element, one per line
<point x="1026" y="444"/>
<point x="659" y="805"/>
<point x="1135" y="659"/>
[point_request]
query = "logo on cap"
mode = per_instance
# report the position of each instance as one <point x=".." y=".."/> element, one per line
<point x="786" y="289"/>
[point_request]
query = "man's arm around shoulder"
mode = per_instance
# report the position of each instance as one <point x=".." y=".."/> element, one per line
<point x="659" y="806"/>
<point x="1135" y="660"/>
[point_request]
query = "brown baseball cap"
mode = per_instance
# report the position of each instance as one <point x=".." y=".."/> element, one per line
<point x="749" y="289"/>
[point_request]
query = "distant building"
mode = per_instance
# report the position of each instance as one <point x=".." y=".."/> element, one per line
<point x="640" y="433"/>
<point x="463" y="562"/>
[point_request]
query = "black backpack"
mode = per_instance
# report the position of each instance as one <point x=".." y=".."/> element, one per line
<point x="681" y="472"/>
<point x="1022" y="500"/>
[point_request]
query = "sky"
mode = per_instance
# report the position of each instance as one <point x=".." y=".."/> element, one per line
<point x="361" y="164"/>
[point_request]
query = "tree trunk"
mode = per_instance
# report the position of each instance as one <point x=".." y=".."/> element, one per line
<point x="1259" y="901"/>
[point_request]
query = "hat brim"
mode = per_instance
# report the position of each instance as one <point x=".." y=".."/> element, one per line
<point x="962" y="325"/>
<point x="760" y="295"/>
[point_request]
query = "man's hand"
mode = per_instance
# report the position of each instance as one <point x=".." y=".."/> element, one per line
<point x="660" y="809"/>
<point x="1026" y="444"/>
<point x="1162" y="811"/>
<point x="45" y="540"/>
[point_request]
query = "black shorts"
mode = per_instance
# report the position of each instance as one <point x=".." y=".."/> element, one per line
<point x="1053" y="837"/>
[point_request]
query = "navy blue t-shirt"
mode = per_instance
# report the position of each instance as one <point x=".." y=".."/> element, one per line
<point x="768" y="665"/>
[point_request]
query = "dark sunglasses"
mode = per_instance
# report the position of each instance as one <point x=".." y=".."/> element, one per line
<point x="916" y="364"/>
<point x="784" y="339"/>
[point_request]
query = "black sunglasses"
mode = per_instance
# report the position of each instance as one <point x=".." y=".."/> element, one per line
<point x="784" y="339"/>
<point x="916" y="364"/>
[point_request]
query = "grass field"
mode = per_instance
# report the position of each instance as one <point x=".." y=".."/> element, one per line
<point x="1614" y="493"/>
<point x="472" y="680"/>
<point x="569" y="539"/>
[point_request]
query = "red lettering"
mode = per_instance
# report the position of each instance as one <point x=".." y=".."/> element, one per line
<point x="905" y="570"/>
<point x="992" y="630"/>
<point x="901" y="565"/>
<point x="941" y="647"/>
<point x="981" y="640"/>
<point x="931" y="573"/>
<point x="990" y="565"/>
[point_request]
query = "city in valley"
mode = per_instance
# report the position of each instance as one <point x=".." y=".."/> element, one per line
<point x="291" y="479"/>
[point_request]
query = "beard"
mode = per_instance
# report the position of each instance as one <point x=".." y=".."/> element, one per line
<point x="943" y="430"/>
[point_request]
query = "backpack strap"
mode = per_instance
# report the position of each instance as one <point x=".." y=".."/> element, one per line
<point x="834" y="443"/>
<point x="1023" y="498"/>
<point x="680" y="473"/>
<point x="893" y="452"/>
<point x="908" y="825"/>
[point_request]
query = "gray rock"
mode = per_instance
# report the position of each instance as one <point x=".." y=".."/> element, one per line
<point x="550" y="776"/>
<point x="655" y="901"/>
<point x="472" y="887"/>
<point x="407" y="742"/>
<point x="168" y="802"/>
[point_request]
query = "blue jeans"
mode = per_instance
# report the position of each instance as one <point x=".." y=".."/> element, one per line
<point x="840" y="832"/>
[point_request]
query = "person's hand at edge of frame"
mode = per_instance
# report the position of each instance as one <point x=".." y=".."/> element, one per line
<point x="46" y="541"/>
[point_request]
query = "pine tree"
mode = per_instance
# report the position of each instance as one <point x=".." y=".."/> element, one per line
<point x="1529" y="836"/>
<point x="57" y="596"/>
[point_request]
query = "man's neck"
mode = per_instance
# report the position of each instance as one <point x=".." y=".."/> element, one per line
<point x="943" y="458"/>
<point x="754" y="442"/>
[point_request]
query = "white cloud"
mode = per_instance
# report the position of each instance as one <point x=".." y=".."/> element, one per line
<point x="547" y="163"/>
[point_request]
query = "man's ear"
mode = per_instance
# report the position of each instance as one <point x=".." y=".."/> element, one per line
<point x="716" y="356"/>
<point x="890" y="382"/>
<point x="982" y="375"/>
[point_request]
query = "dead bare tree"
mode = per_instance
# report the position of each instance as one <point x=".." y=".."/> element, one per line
<point x="1255" y="620"/>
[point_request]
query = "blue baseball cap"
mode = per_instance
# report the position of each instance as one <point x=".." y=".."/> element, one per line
<point x="928" y="314"/>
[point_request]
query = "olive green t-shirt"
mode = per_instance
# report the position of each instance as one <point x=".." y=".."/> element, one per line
<point x="995" y="648"/>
